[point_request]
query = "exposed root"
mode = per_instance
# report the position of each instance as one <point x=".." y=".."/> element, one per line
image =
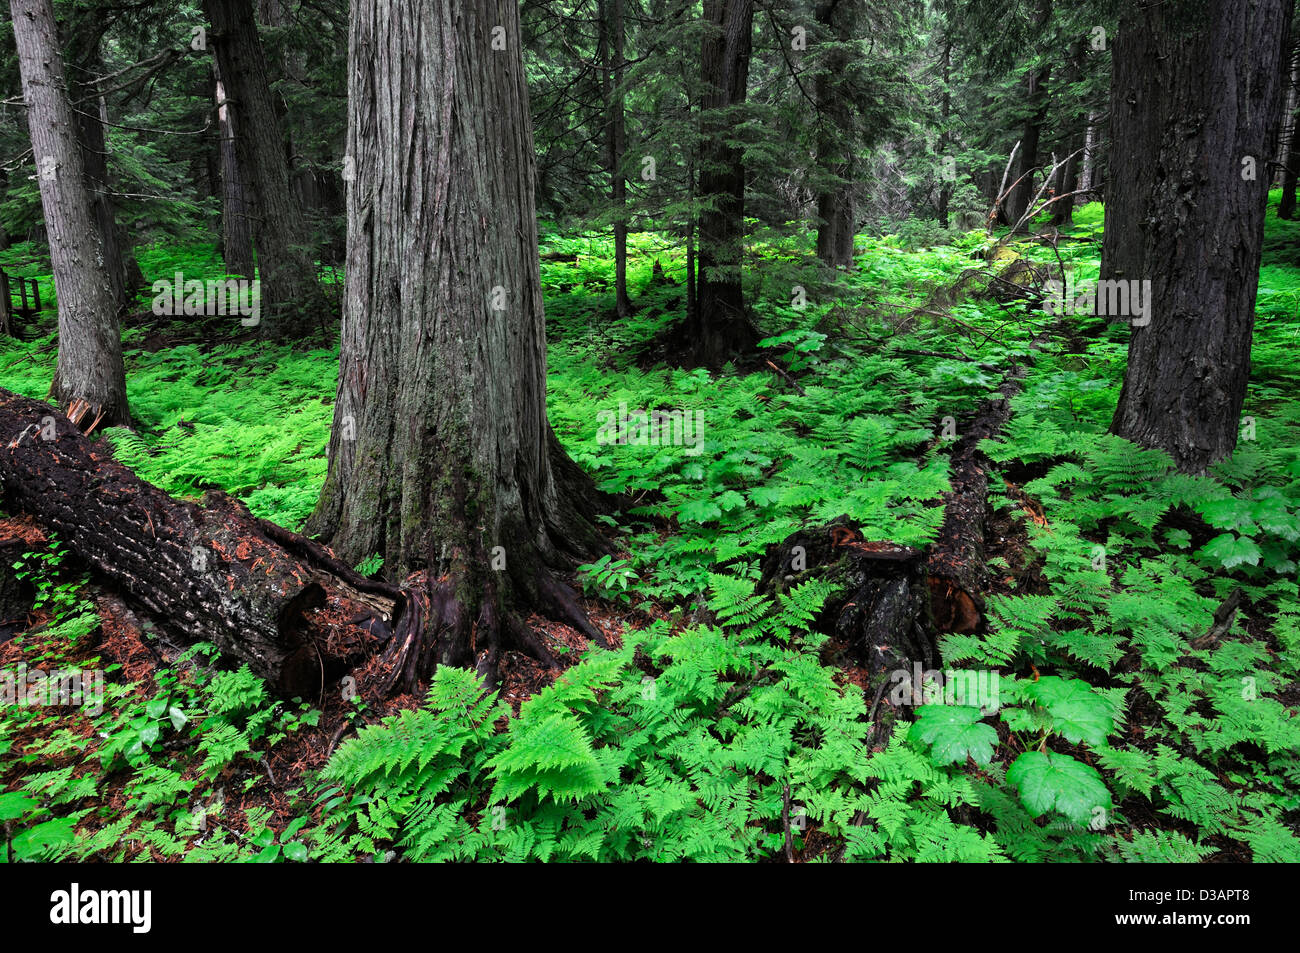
<point x="445" y="623"/>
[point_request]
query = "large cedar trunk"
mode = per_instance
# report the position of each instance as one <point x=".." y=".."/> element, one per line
<point x="720" y="328"/>
<point x="292" y="299"/>
<point x="1195" y="105"/>
<point x="441" y="458"/>
<point x="835" y="142"/>
<point x="90" y="343"/>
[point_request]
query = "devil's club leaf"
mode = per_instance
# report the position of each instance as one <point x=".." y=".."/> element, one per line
<point x="1057" y="782"/>
<point x="954" y="732"/>
<point x="1078" y="713"/>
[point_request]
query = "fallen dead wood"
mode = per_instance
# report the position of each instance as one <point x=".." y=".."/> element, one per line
<point x="894" y="600"/>
<point x="955" y="567"/>
<point x="210" y="572"/>
<point x="882" y="611"/>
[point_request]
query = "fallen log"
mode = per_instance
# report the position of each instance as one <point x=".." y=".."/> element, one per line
<point x="893" y="601"/>
<point x="210" y="572"/>
<point x="955" y="567"/>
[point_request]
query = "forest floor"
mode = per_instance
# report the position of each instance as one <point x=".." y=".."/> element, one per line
<point x="718" y="726"/>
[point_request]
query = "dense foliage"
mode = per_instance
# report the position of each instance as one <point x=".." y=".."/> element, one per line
<point x="722" y="721"/>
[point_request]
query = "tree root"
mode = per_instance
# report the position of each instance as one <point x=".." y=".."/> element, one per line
<point x="444" y="623"/>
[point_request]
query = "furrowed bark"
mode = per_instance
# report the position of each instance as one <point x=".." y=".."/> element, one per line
<point x="260" y="594"/>
<point x="90" y="365"/>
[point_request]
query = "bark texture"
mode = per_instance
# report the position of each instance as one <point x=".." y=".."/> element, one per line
<point x="90" y="344"/>
<point x="91" y="111"/>
<point x="237" y="211"/>
<point x="260" y="594"/>
<point x="720" y="328"/>
<point x="441" y="458"/>
<point x="292" y="299"/>
<point x="1195" y="106"/>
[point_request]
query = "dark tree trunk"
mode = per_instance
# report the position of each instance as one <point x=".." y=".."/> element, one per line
<point x="236" y="208"/>
<point x="835" y="141"/>
<point x="90" y="342"/>
<point x="441" y="458"/>
<point x="721" y="329"/>
<point x="1195" y="105"/>
<point x="1037" y="100"/>
<point x="90" y="109"/>
<point x="292" y="299"/>
<point x="945" y="138"/>
<point x="612" y="60"/>
<point x="1073" y="142"/>
<point x="1288" y="158"/>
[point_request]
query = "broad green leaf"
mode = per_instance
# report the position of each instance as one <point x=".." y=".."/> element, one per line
<point x="14" y="805"/>
<point x="1078" y="713"/>
<point x="954" y="733"/>
<point x="1058" y="782"/>
<point x="1230" y="550"/>
<point x="36" y="842"/>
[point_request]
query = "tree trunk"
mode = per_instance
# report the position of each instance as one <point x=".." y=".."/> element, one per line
<point x="211" y="573"/>
<point x="90" y="342"/>
<point x="236" y="209"/>
<point x="1195" y="106"/>
<point x="441" y="458"/>
<point x="945" y="137"/>
<point x="1037" y="98"/>
<point x="835" y="141"/>
<point x="1073" y="142"/>
<point x="1288" y="158"/>
<point x="721" y="328"/>
<point x="292" y="299"/>
<point x="91" y="110"/>
<point x="611" y="40"/>
<point x="1088" y="160"/>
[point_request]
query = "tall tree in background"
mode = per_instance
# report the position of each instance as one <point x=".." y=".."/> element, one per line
<point x="1037" y="101"/>
<point x="945" y="133"/>
<point x="1194" y="112"/>
<point x="441" y="458"/>
<point x="1074" y="135"/>
<point x="720" y="327"/>
<point x="836" y="143"/>
<point x="612" y="41"/>
<point x="236" y="205"/>
<point x="90" y="343"/>
<point x="292" y="299"/>
<point x="1288" y="144"/>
